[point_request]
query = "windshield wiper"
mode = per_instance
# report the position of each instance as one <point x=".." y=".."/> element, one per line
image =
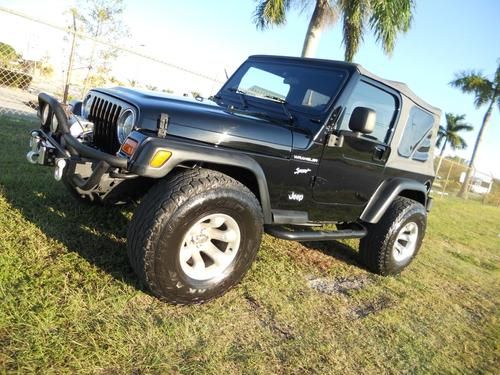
<point x="241" y="95"/>
<point x="283" y="103"/>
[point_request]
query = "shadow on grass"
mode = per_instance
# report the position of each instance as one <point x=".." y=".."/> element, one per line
<point x="96" y="233"/>
<point x="337" y="250"/>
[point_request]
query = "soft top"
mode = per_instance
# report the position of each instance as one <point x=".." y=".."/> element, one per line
<point x="399" y="86"/>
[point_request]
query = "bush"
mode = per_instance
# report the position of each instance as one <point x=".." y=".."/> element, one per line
<point x="14" y="79"/>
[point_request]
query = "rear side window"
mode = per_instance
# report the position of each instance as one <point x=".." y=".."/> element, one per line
<point x="416" y="140"/>
<point x="384" y="104"/>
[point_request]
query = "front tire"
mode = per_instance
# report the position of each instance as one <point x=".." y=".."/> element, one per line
<point x="395" y="240"/>
<point x="194" y="236"/>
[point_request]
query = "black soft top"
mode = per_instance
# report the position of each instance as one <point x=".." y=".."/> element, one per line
<point x="399" y="86"/>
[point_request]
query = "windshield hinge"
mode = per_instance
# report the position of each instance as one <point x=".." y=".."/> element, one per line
<point x="335" y="140"/>
<point x="162" y="126"/>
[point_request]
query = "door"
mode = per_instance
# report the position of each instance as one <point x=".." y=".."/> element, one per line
<point x="351" y="170"/>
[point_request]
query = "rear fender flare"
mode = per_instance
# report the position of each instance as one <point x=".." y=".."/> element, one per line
<point x="385" y="195"/>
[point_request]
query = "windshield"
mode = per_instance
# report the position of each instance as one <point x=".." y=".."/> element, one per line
<point x="303" y="88"/>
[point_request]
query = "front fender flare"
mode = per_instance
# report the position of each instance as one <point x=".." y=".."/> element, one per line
<point x="385" y="195"/>
<point x="185" y="151"/>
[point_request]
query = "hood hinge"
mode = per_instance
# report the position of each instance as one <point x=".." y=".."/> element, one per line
<point x="163" y="125"/>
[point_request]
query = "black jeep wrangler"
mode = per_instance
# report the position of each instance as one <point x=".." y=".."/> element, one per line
<point x="287" y="145"/>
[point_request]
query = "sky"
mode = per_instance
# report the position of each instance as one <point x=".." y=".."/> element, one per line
<point x="212" y="36"/>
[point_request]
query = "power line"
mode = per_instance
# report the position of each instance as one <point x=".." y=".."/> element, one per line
<point x="100" y="41"/>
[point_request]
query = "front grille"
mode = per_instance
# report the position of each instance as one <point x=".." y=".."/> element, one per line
<point x="104" y="114"/>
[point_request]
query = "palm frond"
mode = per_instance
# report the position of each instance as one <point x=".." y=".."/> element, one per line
<point x="354" y="14"/>
<point x="474" y="82"/>
<point x="270" y="13"/>
<point x="497" y="74"/>
<point x="441" y="130"/>
<point x="456" y="142"/>
<point x="388" y="19"/>
<point x="454" y="125"/>
<point x="463" y="127"/>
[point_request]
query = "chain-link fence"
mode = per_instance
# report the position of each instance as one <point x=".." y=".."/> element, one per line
<point x="451" y="175"/>
<point x="38" y="56"/>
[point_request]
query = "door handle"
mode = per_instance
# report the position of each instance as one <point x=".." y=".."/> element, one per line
<point x="379" y="153"/>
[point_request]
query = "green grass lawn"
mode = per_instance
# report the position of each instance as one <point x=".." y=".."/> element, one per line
<point x="69" y="302"/>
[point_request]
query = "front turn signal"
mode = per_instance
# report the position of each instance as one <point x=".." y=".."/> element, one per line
<point x="160" y="158"/>
<point x="129" y="147"/>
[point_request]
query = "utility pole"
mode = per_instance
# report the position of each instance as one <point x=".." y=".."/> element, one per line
<point x="70" y="63"/>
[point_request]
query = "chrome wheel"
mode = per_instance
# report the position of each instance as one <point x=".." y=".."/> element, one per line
<point x="210" y="246"/>
<point x="406" y="242"/>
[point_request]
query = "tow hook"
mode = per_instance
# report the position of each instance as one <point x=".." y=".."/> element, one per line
<point x="58" y="172"/>
<point x="32" y="157"/>
<point x="34" y="154"/>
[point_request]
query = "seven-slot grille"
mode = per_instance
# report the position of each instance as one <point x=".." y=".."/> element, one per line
<point x="104" y="114"/>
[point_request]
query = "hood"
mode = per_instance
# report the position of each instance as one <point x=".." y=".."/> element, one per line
<point x="207" y="122"/>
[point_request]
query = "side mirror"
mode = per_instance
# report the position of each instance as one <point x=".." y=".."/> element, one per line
<point x="362" y="120"/>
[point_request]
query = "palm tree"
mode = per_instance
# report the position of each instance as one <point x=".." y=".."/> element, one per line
<point x="485" y="91"/>
<point x="449" y="134"/>
<point x="386" y="18"/>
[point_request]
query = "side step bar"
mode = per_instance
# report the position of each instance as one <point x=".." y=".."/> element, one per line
<point x="287" y="233"/>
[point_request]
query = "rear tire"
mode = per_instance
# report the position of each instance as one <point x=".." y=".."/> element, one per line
<point x="395" y="240"/>
<point x="194" y="236"/>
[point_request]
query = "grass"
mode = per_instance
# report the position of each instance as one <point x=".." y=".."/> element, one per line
<point x="71" y="303"/>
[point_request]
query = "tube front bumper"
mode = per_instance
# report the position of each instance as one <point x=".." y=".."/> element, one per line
<point x="63" y="150"/>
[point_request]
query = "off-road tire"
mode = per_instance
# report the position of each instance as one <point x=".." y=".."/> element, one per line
<point x="376" y="248"/>
<point x="166" y="213"/>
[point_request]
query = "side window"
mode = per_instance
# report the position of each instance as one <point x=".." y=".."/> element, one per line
<point x="416" y="139"/>
<point x="385" y="104"/>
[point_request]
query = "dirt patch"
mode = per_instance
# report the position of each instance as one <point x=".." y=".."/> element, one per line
<point x="371" y="307"/>
<point x="342" y="285"/>
<point x="267" y="319"/>
<point x="310" y="257"/>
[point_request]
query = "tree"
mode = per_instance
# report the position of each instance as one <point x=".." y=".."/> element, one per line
<point x="133" y="83"/>
<point x="486" y="92"/>
<point x="385" y="18"/>
<point x="101" y="19"/>
<point x="8" y="54"/>
<point x="449" y="134"/>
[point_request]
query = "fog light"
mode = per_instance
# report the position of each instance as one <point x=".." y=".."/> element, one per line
<point x="160" y="158"/>
<point x="129" y="146"/>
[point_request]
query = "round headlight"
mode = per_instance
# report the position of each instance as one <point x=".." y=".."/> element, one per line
<point x="45" y="114"/>
<point x="125" y="124"/>
<point x="54" y="124"/>
<point x="87" y="104"/>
